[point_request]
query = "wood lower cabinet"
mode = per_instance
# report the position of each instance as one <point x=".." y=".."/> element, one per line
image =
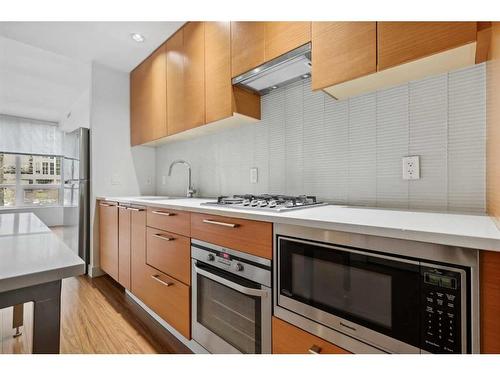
<point x="124" y="245"/>
<point x="401" y="42"/>
<point x="174" y="221"/>
<point x="247" y="46"/>
<point x="108" y="238"/>
<point x="489" y="263"/>
<point x="282" y="37"/>
<point x="250" y="236"/>
<point x="342" y="51"/>
<point x="288" y="339"/>
<point x="169" y="253"/>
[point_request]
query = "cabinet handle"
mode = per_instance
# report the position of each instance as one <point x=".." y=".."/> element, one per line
<point x="230" y="225"/>
<point x="157" y="278"/>
<point x="163" y="213"/>
<point x="135" y="209"/>
<point x="106" y="205"/>
<point x="315" y="349"/>
<point x="163" y="237"/>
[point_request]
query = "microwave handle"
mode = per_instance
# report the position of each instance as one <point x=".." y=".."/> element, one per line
<point x="230" y="284"/>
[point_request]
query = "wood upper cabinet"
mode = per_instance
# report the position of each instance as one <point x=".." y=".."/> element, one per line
<point x="148" y="95"/>
<point x="288" y="339"/>
<point x="175" y="82"/>
<point x="108" y="238"/>
<point x="282" y="37"/>
<point x="342" y="51"/>
<point x="247" y="46"/>
<point x="401" y="42"/>
<point x="124" y="231"/>
<point x="194" y="75"/>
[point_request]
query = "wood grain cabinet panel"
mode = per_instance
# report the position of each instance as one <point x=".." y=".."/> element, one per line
<point x="175" y="82"/>
<point x="342" y="51"/>
<point x="124" y="228"/>
<point x="137" y="249"/>
<point x="169" y="253"/>
<point x="194" y="75"/>
<point x="174" y="221"/>
<point x="108" y="238"/>
<point x="249" y="236"/>
<point x="288" y="339"/>
<point x="282" y="37"/>
<point x="400" y="42"/>
<point x="247" y="46"/>
<point x="489" y="263"/>
<point x="148" y="97"/>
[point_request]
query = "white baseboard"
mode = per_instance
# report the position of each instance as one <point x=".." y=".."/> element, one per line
<point x="95" y="271"/>
<point x="191" y="344"/>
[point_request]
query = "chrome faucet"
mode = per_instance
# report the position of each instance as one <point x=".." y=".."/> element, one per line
<point x="190" y="190"/>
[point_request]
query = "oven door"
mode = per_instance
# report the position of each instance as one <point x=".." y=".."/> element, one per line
<point x="230" y="314"/>
<point x="371" y="297"/>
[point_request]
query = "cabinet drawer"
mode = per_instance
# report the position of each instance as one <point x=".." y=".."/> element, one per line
<point x="170" y="253"/>
<point x="249" y="236"/>
<point x="288" y="339"/>
<point x="170" y="220"/>
<point x="167" y="297"/>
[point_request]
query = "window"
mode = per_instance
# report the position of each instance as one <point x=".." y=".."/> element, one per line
<point x="30" y="180"/>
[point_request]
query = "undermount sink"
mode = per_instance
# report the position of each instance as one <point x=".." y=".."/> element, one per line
<point x="154" y="198"/>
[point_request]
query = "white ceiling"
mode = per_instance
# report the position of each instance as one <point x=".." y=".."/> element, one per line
<point x="108" y="43"/>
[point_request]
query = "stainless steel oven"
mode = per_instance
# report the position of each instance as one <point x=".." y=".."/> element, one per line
<point x="231" y="300"/>
<point x="393" y="300"/>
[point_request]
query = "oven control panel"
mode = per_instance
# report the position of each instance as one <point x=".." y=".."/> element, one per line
<point x="441" y="311"/>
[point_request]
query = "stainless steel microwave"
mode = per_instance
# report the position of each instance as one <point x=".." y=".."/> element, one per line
<point x="390" y="301"/>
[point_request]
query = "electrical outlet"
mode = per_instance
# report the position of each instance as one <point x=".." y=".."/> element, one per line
<point x="163" y="180"/>
<point x="254" y="175"/>
<point x="411" y="168"/>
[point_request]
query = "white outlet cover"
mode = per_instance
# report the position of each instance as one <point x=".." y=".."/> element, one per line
<point x="411" y="168"/>
<point x="164" y="180"/>
<point x="254" y="175"/>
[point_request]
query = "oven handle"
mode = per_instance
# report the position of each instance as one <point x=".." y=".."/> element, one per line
<point x="230" y="284"/>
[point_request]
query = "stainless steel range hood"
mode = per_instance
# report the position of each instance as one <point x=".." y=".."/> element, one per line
<point x="285" y="69"/>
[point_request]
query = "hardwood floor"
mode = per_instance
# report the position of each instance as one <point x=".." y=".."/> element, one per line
<point x="97" y="317"/>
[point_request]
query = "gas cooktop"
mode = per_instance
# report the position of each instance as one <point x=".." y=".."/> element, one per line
<point x="266" y="202"/>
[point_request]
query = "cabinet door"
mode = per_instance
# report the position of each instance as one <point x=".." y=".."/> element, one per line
<point x="342" y="51"/>
<point x="218" y="86"/>
<point x="194" y="75"/>
<point x="175" y="83"/>
<point x="282" y="37"/>
<point x="288" y="339"/>
<point x="400" y="42"/>
<point x="247" y="46"/>
<point x="137" y="248"/>
<point x="108" y="238"/>
<point x="148" y="90"/>
<point x="124" y="246"/>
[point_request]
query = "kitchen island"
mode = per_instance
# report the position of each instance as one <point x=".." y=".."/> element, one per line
<point x="33" y="261"/>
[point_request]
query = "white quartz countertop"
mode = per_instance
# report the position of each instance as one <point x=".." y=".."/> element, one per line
<point x="463" y="230"/>
<point x="31" y="254"/>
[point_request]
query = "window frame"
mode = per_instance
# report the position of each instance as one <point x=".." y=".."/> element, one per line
<point x="20" y="188"/>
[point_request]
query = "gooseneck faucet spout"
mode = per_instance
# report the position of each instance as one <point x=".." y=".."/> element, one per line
<point x="190" y="189"/>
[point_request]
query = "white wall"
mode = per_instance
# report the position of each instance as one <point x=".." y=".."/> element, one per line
<point x="116" y="168"/>
<point x="78" y="114"/>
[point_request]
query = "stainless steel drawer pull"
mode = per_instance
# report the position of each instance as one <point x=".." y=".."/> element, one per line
<point x="106" y="205"/>
<point x="122" y="207"/>
<point x="163" y="213"/>
<point x="315" y="349"/>
<point x="230" y="225"/>
<point x="162" y="237"/>
<point x="136" y="209"/>
<point x="157" y="278"/>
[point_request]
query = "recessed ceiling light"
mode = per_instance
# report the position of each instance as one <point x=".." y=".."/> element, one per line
<point x="274" y="87"/>
<point x="137" y="37"/>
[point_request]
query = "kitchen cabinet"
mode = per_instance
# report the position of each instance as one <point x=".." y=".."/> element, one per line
<point x="288" y="339"/>
<point x="169" y="220"/>
<point x="282" y="37"/>
<point x="124" y="236"/>
<point x="401" y="42"/>
<point x="489" y="263"/>
<point x="250" y="236"/>
<point x="175" y="83"/>
<point x="108" y="238"/>
<point x="342" y="51"/>
<point x="247" y="46"/>
<point x="194" y="74"/>
<point x="148" y="90"/>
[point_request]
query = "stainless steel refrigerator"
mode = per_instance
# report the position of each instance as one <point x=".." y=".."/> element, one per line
<point x="76" y="210"/>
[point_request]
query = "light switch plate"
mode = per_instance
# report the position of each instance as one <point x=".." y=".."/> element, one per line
<point x="254" y="175"/>
<point x="411" y="168"/>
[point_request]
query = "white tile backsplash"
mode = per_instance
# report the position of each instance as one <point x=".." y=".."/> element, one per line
<point x="350" y="151"/>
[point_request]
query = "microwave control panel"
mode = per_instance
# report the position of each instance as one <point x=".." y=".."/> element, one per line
<point x="441" y="311"/>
